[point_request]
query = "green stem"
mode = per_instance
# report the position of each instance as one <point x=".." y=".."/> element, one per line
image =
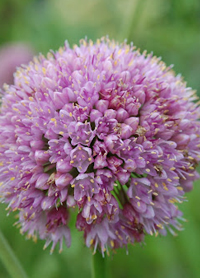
<point x="99" y="267"/>
<point x="10" y="260"/>
<point x="131" y="22"/>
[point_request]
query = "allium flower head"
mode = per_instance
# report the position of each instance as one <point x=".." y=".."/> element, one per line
<point x="104" y="129"/>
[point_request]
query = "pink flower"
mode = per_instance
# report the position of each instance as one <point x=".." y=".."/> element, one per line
<point x="12" y="56"/>
<point x="102" y="128"/>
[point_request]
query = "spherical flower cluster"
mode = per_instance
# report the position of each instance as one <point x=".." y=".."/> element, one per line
<point x="103" y="129"/>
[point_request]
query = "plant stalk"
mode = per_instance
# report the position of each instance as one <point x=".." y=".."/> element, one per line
<point x="129" y="28"/>
<point x="99" y="266"/>
<point x="9" y="259"/>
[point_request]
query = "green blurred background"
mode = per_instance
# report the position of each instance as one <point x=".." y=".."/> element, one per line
<point x="169" y="28"/>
